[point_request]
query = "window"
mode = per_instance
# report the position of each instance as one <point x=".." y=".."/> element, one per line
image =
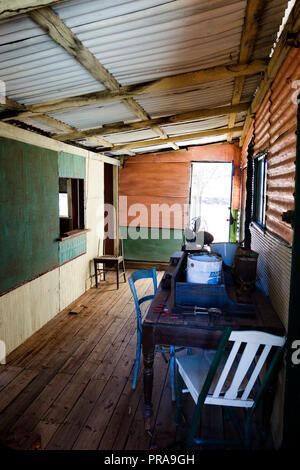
<point x="71" y="204"/>
<point x="260" y="189"/>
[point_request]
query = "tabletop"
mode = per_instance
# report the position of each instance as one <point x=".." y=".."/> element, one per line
<point x="162" y="325"/>
<point x="263" y="317"/>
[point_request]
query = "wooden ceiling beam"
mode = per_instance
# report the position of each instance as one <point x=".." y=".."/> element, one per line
<point x="64" y="37"/>
<point x="162" y="84"/>
<point x="177" y="138"/>
<point x="9" y="8"/>
<point x="51" y="122"/>
<point x="132" y="126"/>
<point x="253" y="14"/>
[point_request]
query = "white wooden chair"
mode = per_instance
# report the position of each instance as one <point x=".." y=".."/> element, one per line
<point x="228" y="379"/>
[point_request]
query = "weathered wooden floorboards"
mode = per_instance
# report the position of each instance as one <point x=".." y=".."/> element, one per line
<point x="71" y="382"/>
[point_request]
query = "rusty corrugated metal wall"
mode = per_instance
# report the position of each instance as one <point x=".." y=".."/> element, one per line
<point x="244" y="152"/>
<point x="275" y="128"/>
<point x="274" y="269"/>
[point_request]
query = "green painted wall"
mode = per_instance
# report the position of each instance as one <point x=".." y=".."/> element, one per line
<point x="69" y="249"/>
<point x="153" y="244"/>
<point x="28" y="212"/>
<point x="71" y="166"/>
<point x="234" y="226"/>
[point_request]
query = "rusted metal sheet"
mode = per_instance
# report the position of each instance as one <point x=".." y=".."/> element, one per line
<point x="244" y="152"/>
<point x="282" y="153"/>
<point x="275" y="128"/>
<point x="274" y="268"/>
<point x="262" y="125"/>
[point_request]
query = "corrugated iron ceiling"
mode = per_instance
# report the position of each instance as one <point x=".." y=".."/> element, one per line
<point x="135" y="41"/>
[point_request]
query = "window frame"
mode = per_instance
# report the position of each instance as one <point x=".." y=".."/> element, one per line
<point x="75" y="221"/>
<point x="260" y="198"/>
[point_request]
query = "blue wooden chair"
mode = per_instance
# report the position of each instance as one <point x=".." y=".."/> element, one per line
<point x="144" y="274"/>
<point x="230" y="379"/>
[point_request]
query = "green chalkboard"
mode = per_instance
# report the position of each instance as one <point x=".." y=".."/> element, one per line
<point x="28" y="212"/>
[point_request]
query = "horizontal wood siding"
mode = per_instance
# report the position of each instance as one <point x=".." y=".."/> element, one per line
<point x="164" y="179"/>
<point x="155" y="183"/>
<point x="148" y="183"/>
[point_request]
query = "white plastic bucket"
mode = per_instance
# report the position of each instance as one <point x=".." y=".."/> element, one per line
<point x="226" y="250"/>
<point x="204" y="269"/>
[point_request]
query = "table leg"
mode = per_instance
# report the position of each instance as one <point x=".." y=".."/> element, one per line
<point x="148" y="384"/>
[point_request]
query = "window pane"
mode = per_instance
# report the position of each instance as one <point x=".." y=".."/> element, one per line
<point x="63" y="205"/>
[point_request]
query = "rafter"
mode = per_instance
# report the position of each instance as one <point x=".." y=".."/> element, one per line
<point x="50" y="121"/>
<point x="62" y="35"/>
<point x="281" y="50"/>
<point x="10" y="8"/>
<point x="177" y="138"/>
<point x="162" y="84"/>
<point x="132" y="126"/>
<point x="253" y="15"/>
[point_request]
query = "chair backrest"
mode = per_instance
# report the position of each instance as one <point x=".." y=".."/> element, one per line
<point x="135" y="276"/>
<point x="108" y="247"/>
<point x="247" y="357"/>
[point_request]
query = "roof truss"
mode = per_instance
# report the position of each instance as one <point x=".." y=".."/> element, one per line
<point x="253" y="15"/>
<point x="127" y="127"/>
<point x="9" y="8"/>
<point x="163" y="84"/>
<point x="62" y="35"/>
<point x="280" y="52"/>
<point x="49" y="21"/>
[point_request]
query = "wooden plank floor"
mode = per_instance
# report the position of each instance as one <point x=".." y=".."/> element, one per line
<point x="71" y="382"/>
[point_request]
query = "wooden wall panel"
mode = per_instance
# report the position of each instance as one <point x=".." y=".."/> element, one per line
<point x="27" y="308"/>
<point x="155" y="179"/>
<point x="29" y="212"/>
<point x="154" y="183"/>
<point x="164" y="179"/>
<point x="149" y="214"/>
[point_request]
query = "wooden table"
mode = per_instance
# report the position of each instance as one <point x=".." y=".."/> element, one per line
<point x="202" y="331"/>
